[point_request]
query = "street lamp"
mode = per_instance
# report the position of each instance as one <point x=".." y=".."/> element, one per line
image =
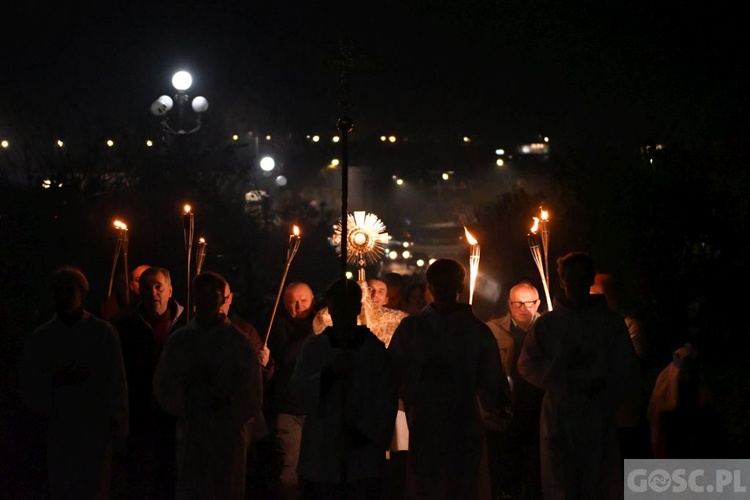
<point x="267" y="164"/>
<point x="160" y="107"/>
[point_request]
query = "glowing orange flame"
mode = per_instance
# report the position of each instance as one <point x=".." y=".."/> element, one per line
<point x="295" y="230"/>
<point x="545" y="214"/>
<point x="535" y="227"/>
<point x="187" y="209"/>
<point x="119" y="225"/>
<point x="469" y="237"/>
<point x="201" y="241"/>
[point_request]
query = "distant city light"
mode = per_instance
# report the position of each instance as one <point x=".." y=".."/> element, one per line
<point x="431" y="261"/>
<point x="5" y="144"/>
<point x="336" y="138"/>
<point x="405" y="244"/>
<point x="110" y="142"/>
<point x="399" y="182"/>
<point x="149" y="143"/>
<point x="406" y="254"/>
<point x="349" y="275"/>
<point x="535" y="148"/>
<point x="446" y="176"/>
<point x="383" y="138"/>
<point x="420" y="262"/>
<point x="316" y="138"/>
<point x="268" y="137"/>
<point x="235" y="137"/>
<point x="393" y="254"/>
<point x="391" y="139"/>
<point x="499" y="152"/>
<point x="46" y="183"/>
<point x="500" y="162"/>
<point x="546" y="139"/>
<point x="467" y="139"/>
<point x="335" y="162"/>
<point x="59" y="143"/>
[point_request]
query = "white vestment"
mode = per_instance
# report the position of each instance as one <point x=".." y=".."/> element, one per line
<point x="210" y="379"/>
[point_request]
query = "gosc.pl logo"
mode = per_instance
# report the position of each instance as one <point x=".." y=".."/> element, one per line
<point x="680" y="480"/>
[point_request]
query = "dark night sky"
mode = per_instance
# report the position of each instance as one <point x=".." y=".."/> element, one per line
<point x="506" y="70"/>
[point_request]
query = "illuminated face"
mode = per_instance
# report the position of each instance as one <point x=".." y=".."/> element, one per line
<point x="523" y="303"/>
<point x="227" y="300"/>
<point x="378" y="292"/>
<point x="155" y="292"/>
<point x="298" y="300"/>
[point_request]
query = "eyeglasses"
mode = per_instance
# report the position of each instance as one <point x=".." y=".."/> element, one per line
<point x="527" y="303"/>
<point x="147" y="287"/>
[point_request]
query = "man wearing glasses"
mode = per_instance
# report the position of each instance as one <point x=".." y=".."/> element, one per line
<point x="515" y="454"/>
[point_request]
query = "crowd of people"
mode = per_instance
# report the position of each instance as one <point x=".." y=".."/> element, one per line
<point x="379" y="389"/>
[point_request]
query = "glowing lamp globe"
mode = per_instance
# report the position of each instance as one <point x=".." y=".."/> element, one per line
<point x="267" y="164"/>
<point x="182" y="80"/>
<point x="162" y="105"/>
<point x="200" y="104"/>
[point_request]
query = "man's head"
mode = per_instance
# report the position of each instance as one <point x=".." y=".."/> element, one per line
<point x="69" y="287"/>
<point x="576" y="271"/>
<point x="395" y="284"/>
<point x="298" y="300"/>
<point x="155" y="290"/>
<point x="414" y="294"/>
<point x="209" y="290"/>
<point x="445" y="280"/>
<point x="378" y="291"/>
<point x="603" y="284"/>
<point x="135" y="276"/>
<point x="228" y="296"/>
<point x="344" y="301"/>
<point x="523" y="302"/>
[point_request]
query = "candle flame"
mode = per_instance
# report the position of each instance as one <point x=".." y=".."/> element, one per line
<point x="120" y="225"/>
<point x="469" y="237"/>
<point x="295" y="230"/>
<point x="535" y="227"/>
<point x="187" y="209"/>
<point x="545" y="214"/>
<point x="201" y="241"/>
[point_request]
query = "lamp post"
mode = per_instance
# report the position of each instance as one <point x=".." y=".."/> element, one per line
<point x="164" y="104"/>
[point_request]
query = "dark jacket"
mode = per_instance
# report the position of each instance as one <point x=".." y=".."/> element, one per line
<point x="140" y="355"/>
<point x="285" y="342"/>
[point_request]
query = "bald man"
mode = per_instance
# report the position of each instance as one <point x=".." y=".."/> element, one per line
<point x="135" y="277"/>
<point x="514" y="455"/>
<point x="291" y="327"/>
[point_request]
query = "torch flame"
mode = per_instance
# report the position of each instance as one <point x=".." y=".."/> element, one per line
<point x="119" y="225"/>
<point x="201" y="241"/>
<point x="187" y="208"/>
<point x="469" y="237"/>
<point x="295" y="230"/>
<point x="545" y="214"/>
<point x="535" y="227"/>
